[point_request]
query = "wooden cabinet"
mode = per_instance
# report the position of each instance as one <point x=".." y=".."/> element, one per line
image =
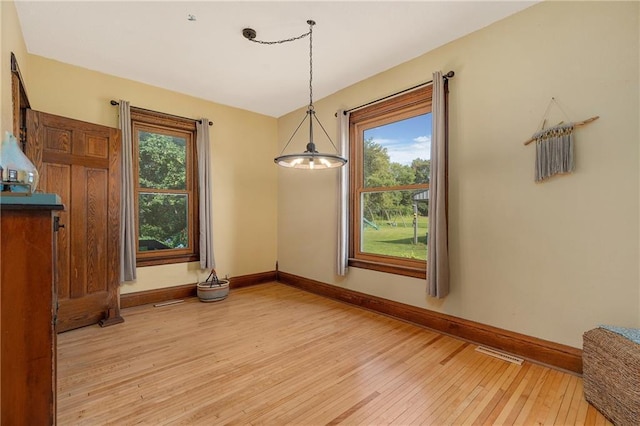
<point x="28" y="311"/>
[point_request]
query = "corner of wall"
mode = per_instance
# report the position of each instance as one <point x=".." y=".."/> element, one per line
<point x="11" y="41"/>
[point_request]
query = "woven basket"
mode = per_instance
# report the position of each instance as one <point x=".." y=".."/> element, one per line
<point x="210" y="292"/>
<point x="611" y="375"/>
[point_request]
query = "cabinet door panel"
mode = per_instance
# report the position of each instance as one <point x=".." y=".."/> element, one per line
<point x="27" y="311"/>
<point x="57" y="180"/>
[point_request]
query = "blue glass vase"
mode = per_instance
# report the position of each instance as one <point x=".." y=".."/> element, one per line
<point x="18" y="173"/>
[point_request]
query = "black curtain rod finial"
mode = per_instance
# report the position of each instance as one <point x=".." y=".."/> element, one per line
<point x="446" y="76"/>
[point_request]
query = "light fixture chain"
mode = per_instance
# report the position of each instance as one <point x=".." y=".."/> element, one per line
<point x="310" y="158"/>
<point x="280" y="41"/>
<point x="310" y="65"/>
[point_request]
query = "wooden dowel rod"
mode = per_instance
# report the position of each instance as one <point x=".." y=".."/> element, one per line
<point x="578" y="124"/>
<point x="587" y="121"/>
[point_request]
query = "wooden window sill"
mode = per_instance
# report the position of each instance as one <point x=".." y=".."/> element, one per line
<point x="389" y="268"/>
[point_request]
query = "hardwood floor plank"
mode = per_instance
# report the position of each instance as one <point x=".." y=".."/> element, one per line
<point x="533" y="398"/>
<point x="349" y="389"/>
<point x="397" y="392"/>
<point x="557" y="400"/>
<point x="417" y="391"/>
<point x="541" y="405"/>
<point x="563" y="412"/>
<point x="576" y="402"/>
<point x="272" y="354"/>
<point x="489" y="392"/>
<point x="513" y="407"/>
<point x="345" y="415"/>
<point x="495" y="408"/>
<point x="462" y="394"/>
<point x="462" y="378"/>
<point x="590" y="418"/>
<point x="493" y="374"/>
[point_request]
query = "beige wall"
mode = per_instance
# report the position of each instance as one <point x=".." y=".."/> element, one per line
<point x="3" y="77"/>
<point x="245" y="190"/>
<point x="548" y="260"/>
<point x="11" y="41"/>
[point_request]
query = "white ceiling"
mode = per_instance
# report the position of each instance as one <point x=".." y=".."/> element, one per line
<point x="155" y="43"/>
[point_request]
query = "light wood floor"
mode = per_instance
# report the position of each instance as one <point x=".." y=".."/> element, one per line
<point x="272" y="354"/>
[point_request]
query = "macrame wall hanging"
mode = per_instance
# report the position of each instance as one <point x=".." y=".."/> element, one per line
<point x="555" y="145"/>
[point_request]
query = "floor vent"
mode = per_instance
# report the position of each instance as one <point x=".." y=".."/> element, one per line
<point x="500" y="355"/>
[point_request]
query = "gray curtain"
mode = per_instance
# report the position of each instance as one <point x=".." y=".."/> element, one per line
<point x="343" y="195"/>
<point x="438" y="247"/>
<point x="205" y="187"/>
<point x="127" y="214"/>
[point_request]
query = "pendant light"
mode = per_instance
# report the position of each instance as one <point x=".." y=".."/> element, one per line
<point x="310" y="159"/>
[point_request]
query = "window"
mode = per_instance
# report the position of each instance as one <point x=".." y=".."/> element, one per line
<point x="165" y="179"/>
<point x="389" y="193"/>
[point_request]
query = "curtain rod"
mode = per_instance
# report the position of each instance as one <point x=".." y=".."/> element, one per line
<point x="447" y="76"/>
<point x="114" y="103"/>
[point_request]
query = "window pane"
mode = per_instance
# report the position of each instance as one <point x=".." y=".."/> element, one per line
<point x="388" y="225"/>
<point x="163" y="160"/>
<point x="162" y="221"/>
<point x="398" y="153"/>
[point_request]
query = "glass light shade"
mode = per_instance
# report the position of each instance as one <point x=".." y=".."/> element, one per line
<point x="310" y="161"/>
<point x="18" y="173"/>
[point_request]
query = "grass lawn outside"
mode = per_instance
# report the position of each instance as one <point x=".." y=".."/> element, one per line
<point x="396" y="238"/>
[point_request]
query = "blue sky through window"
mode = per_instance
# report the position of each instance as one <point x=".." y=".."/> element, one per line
<point x="405" y="140"/>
